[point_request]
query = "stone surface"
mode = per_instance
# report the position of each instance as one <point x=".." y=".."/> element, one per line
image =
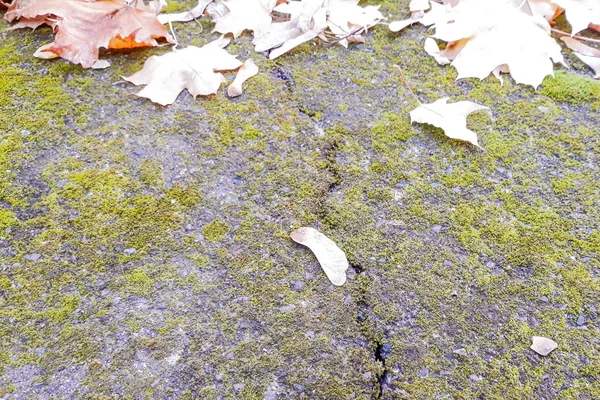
<point x="207" y="191"/>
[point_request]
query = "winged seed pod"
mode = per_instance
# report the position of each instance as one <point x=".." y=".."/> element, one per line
<point x="330" y="256"/>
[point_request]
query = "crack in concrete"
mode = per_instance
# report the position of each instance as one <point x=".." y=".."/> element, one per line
<point x="381" y="352"/>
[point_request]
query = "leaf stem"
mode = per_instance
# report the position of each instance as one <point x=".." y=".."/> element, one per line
<point x="406" y="83"/>
<point x="559" y="32"/>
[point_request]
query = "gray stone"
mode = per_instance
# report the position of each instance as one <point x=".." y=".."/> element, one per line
<point x="32" y="257"/>
<point x="461" y="352"/>
<point x="287" y="308"/>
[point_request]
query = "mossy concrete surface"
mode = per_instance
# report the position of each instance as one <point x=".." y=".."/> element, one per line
<point x="145" y="251"/>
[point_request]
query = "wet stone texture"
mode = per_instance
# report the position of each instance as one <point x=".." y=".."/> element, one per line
<point x="144" y="251"/>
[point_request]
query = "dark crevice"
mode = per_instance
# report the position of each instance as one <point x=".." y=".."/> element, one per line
<point x="382" y="352"/>
<point x="285" y="75"/>
<point x="332" y="165"/>
<point x="357" y="268"/>
<point x="330" y="152"/>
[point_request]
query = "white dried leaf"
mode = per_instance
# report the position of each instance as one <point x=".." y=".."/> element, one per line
<point x="243" y="15"/>
<point x="330" y="256"/>
<point x="543" y="346"/>
<point x="497" y="33"/>
<point x="452" y="118"/>
<point x="193" y="68"/>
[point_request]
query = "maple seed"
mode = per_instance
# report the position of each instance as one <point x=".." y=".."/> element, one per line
<point x="330" y="256"/>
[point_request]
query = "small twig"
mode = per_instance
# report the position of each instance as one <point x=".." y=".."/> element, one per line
<point x="559" y="32"/>
<point x="406" y="84"/>
<point x="174" y="36"/>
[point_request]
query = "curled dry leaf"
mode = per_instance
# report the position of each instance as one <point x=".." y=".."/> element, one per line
<point x="543" y="346"/>
<point x="330" y="256"/>
<point x="193" y="68"/>
<point x="246" y="71"/>
<point x="308" y="19"/>
<point x="585" y="53"/>
<point x="452" y="118"/>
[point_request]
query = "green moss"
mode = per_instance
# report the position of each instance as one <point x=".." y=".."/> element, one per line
<point x="7" y="219"/>
<point x="175" y="6"/>
<point x="68" y="305"/>
<point x="151" y="173"/>
<point x="216" y="231"/>
<point x="139" y="282"/>
<point x="249" y="132"/>
<point x="186" y="196"/>
<point x="571" y="88"/>
<point x="391" y="128"/>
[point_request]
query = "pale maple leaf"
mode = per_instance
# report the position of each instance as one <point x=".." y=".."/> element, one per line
<point x="494" y="36"/>
<point x="452" y="118"/>
<point x="83" y="27"/>
<point x="244" y="15"/>
<point x="193" y="68"/>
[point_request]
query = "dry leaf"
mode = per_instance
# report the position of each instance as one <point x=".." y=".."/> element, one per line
<point x="83" y="27"/>
<point x="543" y="346"/>
<point x="192" y="68"/>
<point x="330" y="256"/>
<point x="585" y="53"/>
<point x="185" y="16"/>
<point x="580" y="13"/>
<point x="494" y="36"/>
<point x="244" y="15"/>
<point x="308" y="19"/>
<point x="418" y="15"/>
<point x="246" y="71"/>
<point x="347" y="18"/>
<point x="452" y="118"/>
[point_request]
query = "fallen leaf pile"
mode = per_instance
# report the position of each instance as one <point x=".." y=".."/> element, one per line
<point x="83" y="27"/>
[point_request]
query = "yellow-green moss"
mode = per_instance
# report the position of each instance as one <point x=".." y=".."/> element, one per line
<point x="572" y="88"/>
<point x="216" y="231"/>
